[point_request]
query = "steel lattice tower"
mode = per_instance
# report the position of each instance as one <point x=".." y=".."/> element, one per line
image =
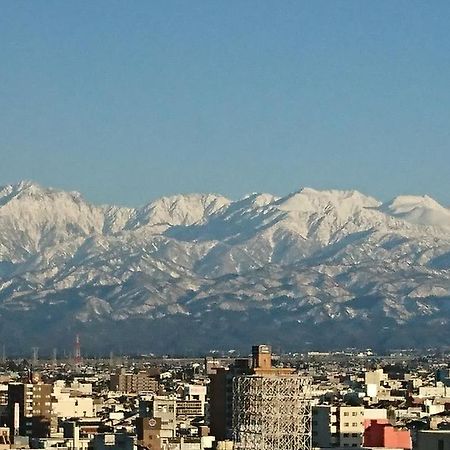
<point x="271" y="413"/>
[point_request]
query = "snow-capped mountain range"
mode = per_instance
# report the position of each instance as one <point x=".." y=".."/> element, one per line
<point x="190" y="273"/>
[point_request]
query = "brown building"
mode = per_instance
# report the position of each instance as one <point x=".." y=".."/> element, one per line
<point x="33" y="408"/>
<point x="131" y="382"/>
<point x="262" y="363"/>
<point x="221" y="387"/>
<point x="221" y="395"/>
<point x="148" y="431"/>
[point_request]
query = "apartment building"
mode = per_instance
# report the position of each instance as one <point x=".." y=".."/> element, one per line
<point x="341" y="426"/>
<point x="131" y="382"/>
<point x="30" y="408"/>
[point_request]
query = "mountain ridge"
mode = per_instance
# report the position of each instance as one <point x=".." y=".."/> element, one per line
<point x="306" y="262"/>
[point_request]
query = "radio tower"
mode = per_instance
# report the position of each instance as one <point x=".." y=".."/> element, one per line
<point x="77" y="351"/>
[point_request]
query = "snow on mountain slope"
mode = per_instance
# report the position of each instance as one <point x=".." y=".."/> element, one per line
<point x="177" y="210"/>
<point x="34" y="218"/>
<point x="306" y="224"/>
<point x="308" y="259"/>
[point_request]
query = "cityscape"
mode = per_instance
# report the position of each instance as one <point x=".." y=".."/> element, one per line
<point x="224" y="225"/>
<point x="314" y="400"/>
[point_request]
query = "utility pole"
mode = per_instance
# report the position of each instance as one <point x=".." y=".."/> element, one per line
<point x="35" y="355"/>
<point x="55" y="359"/>
<point x="77" y="351"/>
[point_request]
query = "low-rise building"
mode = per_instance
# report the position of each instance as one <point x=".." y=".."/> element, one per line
<point x="380" y="433"/>
<point x="433" y="440"/>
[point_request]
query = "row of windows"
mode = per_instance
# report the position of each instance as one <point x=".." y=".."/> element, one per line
<point x="315" y="423"/>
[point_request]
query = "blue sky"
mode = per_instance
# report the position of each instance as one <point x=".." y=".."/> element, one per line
<point x="128" y="101"/>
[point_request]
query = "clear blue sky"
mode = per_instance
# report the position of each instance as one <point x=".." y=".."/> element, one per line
<point x="127" y="101"/>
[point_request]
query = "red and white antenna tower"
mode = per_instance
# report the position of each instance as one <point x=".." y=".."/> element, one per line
<point x="77" y="350"/>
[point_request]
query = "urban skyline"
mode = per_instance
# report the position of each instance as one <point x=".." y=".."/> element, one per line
<point x="307" y="401"/>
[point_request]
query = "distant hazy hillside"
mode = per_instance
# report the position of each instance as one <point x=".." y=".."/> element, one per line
<point x="314" y="269"/>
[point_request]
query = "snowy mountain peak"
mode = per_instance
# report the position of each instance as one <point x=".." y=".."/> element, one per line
<point x="308" y="199"/>
<point x="11" y="191"/>
<point x="256" y="200"/>
<point x="421" y="210"/>
<point x="29" y="190"/>
<point x="405" y="203"/>
<point x="177" y="210"/>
